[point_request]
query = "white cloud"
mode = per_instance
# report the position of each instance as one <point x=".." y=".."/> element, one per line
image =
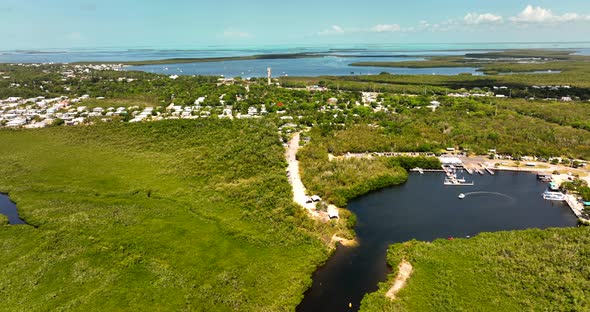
<point x="334" y="30"/>
<point x="486" y="18"/>
<point x="386" y="28"/>
<point x="538" y="14"/>
<point x="232" y="33"/>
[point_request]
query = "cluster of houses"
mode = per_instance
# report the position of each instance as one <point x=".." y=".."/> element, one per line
<point x="39" y="112"/>
<point x="72" y="71"/>
<point x="553" y="88"/>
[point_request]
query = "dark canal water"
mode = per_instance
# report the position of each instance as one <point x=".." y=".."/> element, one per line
<point x="425" y="209"/>
<point x="8" y="208"/>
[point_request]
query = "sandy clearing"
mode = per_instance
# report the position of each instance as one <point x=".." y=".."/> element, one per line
<point x="404" y="271"/>
<point x="299" y="191"/>
<point x="344" y="241"/>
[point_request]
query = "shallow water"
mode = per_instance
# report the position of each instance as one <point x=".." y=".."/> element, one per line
<point x="8" y="208"/>
<point x="307" y="67"/>
<point x="425" y="209"/>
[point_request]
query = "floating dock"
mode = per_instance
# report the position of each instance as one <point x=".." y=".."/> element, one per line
<point x="426" y="170"/>
<point x="418" y="169"/>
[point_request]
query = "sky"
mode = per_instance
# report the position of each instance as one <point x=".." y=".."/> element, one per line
<point x="55" y="24"/>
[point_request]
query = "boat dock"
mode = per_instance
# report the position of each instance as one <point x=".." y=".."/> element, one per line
<point x="574" y="205"/>
<point x="470" y="171"/>
<point x="418" y="169"/>
<point x="421" y="171"/>
<point x="490" y="171"/>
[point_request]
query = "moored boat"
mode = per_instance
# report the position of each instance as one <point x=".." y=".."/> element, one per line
<point x="555" y="196"/>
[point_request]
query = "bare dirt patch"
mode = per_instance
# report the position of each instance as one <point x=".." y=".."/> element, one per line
<point x="403" y="274"/>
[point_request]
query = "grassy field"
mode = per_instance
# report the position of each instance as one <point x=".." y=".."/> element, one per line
<point x="177" y="216"/>
<point x="532" y="270"/>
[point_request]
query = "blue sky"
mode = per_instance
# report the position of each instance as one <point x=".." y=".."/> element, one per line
<point x="42" y="24"/>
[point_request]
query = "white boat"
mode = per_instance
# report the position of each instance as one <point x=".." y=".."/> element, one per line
<point x="461" y="196"/>
<point x="556" y="196"/>
<point x="454" y="182"/>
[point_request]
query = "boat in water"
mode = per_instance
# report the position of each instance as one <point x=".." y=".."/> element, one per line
<point x="555" y="196"/>
<point x="461" y="196"/>
<point x="455" y="182"/>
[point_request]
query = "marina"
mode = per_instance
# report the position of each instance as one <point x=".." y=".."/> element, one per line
<point x="504" y="201"/>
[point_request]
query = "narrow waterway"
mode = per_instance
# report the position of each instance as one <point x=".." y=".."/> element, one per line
<point x="425" y="209"/>
<point x="8" y="208"/>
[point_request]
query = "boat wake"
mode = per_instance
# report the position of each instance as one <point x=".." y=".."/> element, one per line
<point x="489" y="193"/>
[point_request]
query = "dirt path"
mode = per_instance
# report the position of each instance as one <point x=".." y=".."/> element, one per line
<point x="344" y="241"/>
<point x="404" y="271"/>
<point x="299" y="192"/>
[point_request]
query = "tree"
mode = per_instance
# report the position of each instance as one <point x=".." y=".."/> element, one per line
<point x="57" y="122"/>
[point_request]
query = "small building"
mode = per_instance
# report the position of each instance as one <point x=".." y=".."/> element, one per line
<point x="446" y="161"/>
<point x="566" y="99"/>
<point x="333" y="212"/>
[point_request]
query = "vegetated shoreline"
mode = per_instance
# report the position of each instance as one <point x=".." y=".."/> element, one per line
<point x="299" y="197"/>
<point x="491" y="63"/>
<point x="275" y="56"/>
<point x="466" y="256"/>
<point x="4" y="218"/>
<point x="158" y="198"/>
<point x="402" y="270"/>
<point x="207" y="60"/>
<point x="431" y="61"/>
